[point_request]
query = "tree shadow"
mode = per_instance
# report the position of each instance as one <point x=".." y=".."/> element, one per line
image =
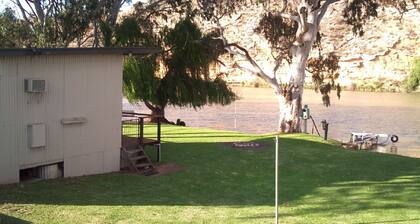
<point x="391" y="221"/>
<point x="311" y="172"/>
<point x="5" y="219"/>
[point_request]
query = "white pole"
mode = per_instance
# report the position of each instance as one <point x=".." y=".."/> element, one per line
<point x="235" y="113"/>
<point x="276" y="180"/>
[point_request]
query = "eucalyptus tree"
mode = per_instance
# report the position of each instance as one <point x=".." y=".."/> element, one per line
<point x="105" y="19"/>
<point x="14" y="32"/>
<point x="292" y="29"/>
<point x="57" y="23"/>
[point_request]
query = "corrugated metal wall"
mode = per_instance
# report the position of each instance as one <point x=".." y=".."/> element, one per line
<point x="78" y="86"/>
<point x="9" y="163"/>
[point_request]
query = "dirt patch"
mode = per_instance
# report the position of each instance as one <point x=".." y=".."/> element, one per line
<point x="168" y="168"/>
<point x="245" y="145"/>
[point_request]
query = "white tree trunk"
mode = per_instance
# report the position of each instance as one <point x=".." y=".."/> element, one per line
<point x="289" y="95"/>
<point x="290" y="102"/>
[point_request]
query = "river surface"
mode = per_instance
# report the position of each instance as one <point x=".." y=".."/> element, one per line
<point x="257" y="112"/>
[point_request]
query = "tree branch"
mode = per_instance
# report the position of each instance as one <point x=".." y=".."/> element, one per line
<point x="272" y="81"/>
<point x="24" y="13"/>
<point x="149" y="105"/>
<point x="324" y="9"/>
<point x="82" y="42"/>
<point x="31" y="8"/>
<point x="303" y="10"/>
<point x="247" y="56"/>
<point x="289" y="16"/>
<point x="259" y="73"/>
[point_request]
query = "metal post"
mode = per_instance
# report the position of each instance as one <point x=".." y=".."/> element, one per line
<point x="314" y="125"/>
<point x="305" y="116"/>
<point x="141" y="123"/>
<point x="158" y="129"/>
<point x="277" y="181"/>
<point x="326" y="132"/>
<point x="325" y="128"/>
<point x="235" y="114"/>
<point x="158" y="156"/>
<point x="122" y="129"/>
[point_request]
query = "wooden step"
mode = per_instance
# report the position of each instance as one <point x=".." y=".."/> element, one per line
<point x="138" y="157"/>
<point x="139" y="161"/>
<point x="142" y="165"/>
<point x="150" y="171"/>
<point x="131" y="147"/>
<point x="132" y="151"/>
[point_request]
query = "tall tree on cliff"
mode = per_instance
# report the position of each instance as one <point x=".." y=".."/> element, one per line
<point x="56" y="23"/>
<point x="105" y="21"/>
<point x="14" y="32"/>
<point x="292" y="29"/>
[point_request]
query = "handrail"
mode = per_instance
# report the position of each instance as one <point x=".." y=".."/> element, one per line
<point x="138" y="115"/>
<point x="138" y="120"/>
<point x="316" y="128"/>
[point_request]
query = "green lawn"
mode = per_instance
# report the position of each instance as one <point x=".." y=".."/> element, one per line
<point x="319" y="183"/>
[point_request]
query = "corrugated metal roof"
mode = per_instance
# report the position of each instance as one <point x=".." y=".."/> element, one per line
<point x="84" y="51"/>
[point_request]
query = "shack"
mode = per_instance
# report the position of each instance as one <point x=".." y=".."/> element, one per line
<point x="60" y="111"/>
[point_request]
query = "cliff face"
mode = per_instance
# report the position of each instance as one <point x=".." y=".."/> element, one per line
<point x="379" y="60"/>
<point x="382" y="57"/>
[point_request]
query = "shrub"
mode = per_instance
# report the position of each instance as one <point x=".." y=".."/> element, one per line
<point x="413" y="80"/>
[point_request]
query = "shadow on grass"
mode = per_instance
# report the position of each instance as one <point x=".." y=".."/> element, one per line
<point x="391" y="221"/>
<point x="311" y="173"/>
<point x="5" y="219"/>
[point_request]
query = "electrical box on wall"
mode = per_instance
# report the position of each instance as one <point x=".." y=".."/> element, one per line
<point x="37" y="135"/>
<point x="35" y="85"/>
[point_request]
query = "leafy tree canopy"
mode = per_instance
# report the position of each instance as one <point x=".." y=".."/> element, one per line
<point x="178" y="77"/>
<point x="13" y="31"/>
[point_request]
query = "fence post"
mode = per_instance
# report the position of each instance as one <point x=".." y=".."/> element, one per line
<point x="158" y="157"/>
<point x="140" y="130"/>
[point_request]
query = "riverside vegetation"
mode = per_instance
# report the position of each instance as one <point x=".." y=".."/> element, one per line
<point x="413" y="80"/>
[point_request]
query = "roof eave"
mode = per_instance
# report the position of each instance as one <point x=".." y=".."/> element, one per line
<point x="80" y="51"/>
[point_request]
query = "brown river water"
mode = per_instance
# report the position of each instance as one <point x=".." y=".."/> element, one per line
<point x="257" y="112"/>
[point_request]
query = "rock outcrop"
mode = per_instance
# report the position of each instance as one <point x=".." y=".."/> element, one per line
<point x="379" y="60"/>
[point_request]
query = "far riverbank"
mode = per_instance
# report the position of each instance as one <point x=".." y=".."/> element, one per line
<point x="257" y="112"/>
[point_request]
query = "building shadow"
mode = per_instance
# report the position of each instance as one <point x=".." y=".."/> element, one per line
<point x="5" y="219"/>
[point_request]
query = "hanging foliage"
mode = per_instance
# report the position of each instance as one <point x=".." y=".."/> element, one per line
<point x="178" y="77"/>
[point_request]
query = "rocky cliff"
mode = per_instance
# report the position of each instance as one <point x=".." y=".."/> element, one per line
<point x="380" y="60"/>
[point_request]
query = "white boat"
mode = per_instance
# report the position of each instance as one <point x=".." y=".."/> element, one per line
<point x="372" y="138"/>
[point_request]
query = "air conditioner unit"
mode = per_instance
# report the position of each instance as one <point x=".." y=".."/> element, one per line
<point x="35" y="85"/>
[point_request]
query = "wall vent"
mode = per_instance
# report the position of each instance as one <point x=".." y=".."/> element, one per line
<point x="35" y="85"/>
<point x="37" y="135"/>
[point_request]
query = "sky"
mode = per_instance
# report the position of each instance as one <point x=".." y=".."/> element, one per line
<point x="5" y="3"/>
<point x="2" y="4"/>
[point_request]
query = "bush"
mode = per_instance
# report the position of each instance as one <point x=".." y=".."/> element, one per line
<point x="413" y="80"/>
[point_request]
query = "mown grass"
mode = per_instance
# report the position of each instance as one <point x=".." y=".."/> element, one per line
<point x="319" y="183"/>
